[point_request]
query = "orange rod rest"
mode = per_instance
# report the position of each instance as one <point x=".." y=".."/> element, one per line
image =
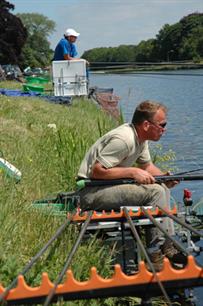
<point x="119" y="279"/>
<point x="99" y="216"/>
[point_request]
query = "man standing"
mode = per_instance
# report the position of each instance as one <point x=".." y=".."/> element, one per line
<point x="66" y="49"/>
<point x="123" y="153"/>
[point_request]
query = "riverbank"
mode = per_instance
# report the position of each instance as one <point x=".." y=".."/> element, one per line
<point x="46" y="142"/>
<point x="143" y="67"/>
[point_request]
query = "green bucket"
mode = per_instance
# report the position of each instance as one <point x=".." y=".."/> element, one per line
<point x="32" y="87"/>
<point x="37" y="80"/>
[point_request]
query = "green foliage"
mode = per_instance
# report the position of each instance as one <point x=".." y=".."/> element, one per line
<point x="35" y="22"/>
<point x="47" y="143"/>
<point x="37" y="52"/>
<point x="12" y="35"/>
<point x="192" y="44"/>
<point x="145" y="50"/>
<point x="117" y="54"/>
<point x="164" y="160"/>
<point x="180" y="41"/>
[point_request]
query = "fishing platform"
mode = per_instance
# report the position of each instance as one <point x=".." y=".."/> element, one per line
<point x="119" y="225"/>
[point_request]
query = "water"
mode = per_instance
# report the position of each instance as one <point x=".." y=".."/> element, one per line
<point x="183" y="95"/>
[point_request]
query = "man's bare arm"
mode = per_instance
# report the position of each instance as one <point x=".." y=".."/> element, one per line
<point x="139" y="175"/>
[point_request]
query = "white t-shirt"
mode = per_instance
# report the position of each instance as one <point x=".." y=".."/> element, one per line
<point x="119" y="147"/>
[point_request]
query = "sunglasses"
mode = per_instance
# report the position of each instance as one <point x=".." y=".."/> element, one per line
<point x="160" y="125"/>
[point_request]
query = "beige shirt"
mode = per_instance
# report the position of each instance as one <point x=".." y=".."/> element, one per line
<point x="119" y="147"/>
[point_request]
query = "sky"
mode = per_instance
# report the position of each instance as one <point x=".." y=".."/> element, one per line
<point x="109" y="23"/>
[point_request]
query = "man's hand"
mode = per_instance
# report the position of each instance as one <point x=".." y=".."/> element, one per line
<point x="142" y="177"/>
<point x="170" y="184"/>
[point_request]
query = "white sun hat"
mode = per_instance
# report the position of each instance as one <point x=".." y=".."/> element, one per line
<point x="71" y="32"/>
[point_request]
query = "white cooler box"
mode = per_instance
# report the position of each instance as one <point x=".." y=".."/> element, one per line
<point x="69" y="78"/>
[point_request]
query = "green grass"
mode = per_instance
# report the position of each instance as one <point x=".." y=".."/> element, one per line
<point x="47" y="142"/>
<point x="48" y="157"/>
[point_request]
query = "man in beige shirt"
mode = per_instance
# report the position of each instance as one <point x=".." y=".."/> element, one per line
<point x="123" y="153"/>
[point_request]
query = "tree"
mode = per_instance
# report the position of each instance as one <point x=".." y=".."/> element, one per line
<point x="192" y="30"/>
<point x="180" y="41"/>
<point x="145" y="51"/>
<point x="122" y="53"/>
<point x="36" y="51"/>
<point x="12" y="35"/>
<point x="168" y="41"/>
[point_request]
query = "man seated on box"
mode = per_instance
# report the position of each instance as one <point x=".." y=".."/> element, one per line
<point x="66" y="49"/>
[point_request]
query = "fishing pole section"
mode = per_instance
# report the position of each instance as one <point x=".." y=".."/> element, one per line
<point x="182" y="176"/>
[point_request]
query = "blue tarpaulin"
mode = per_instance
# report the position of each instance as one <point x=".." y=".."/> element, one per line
<point x="51" y="99"/>
<point x="18" y="93"/>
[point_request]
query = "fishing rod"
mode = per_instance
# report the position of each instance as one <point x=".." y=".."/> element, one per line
<point x="161" y="228"/>
<point x="142" y="248"/>
<point x="68" y="260"/>
<point x="190" y="171"/>
<point x="35" y="258"/>
<point x="179" y="221"/>
<point x="158" y="179"/>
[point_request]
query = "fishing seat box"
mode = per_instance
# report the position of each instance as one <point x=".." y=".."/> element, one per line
<point x="69" y="78"/>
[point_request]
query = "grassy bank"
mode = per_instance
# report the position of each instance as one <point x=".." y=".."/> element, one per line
<point x="48" y="157"/>
<point x="47" y="142"/>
